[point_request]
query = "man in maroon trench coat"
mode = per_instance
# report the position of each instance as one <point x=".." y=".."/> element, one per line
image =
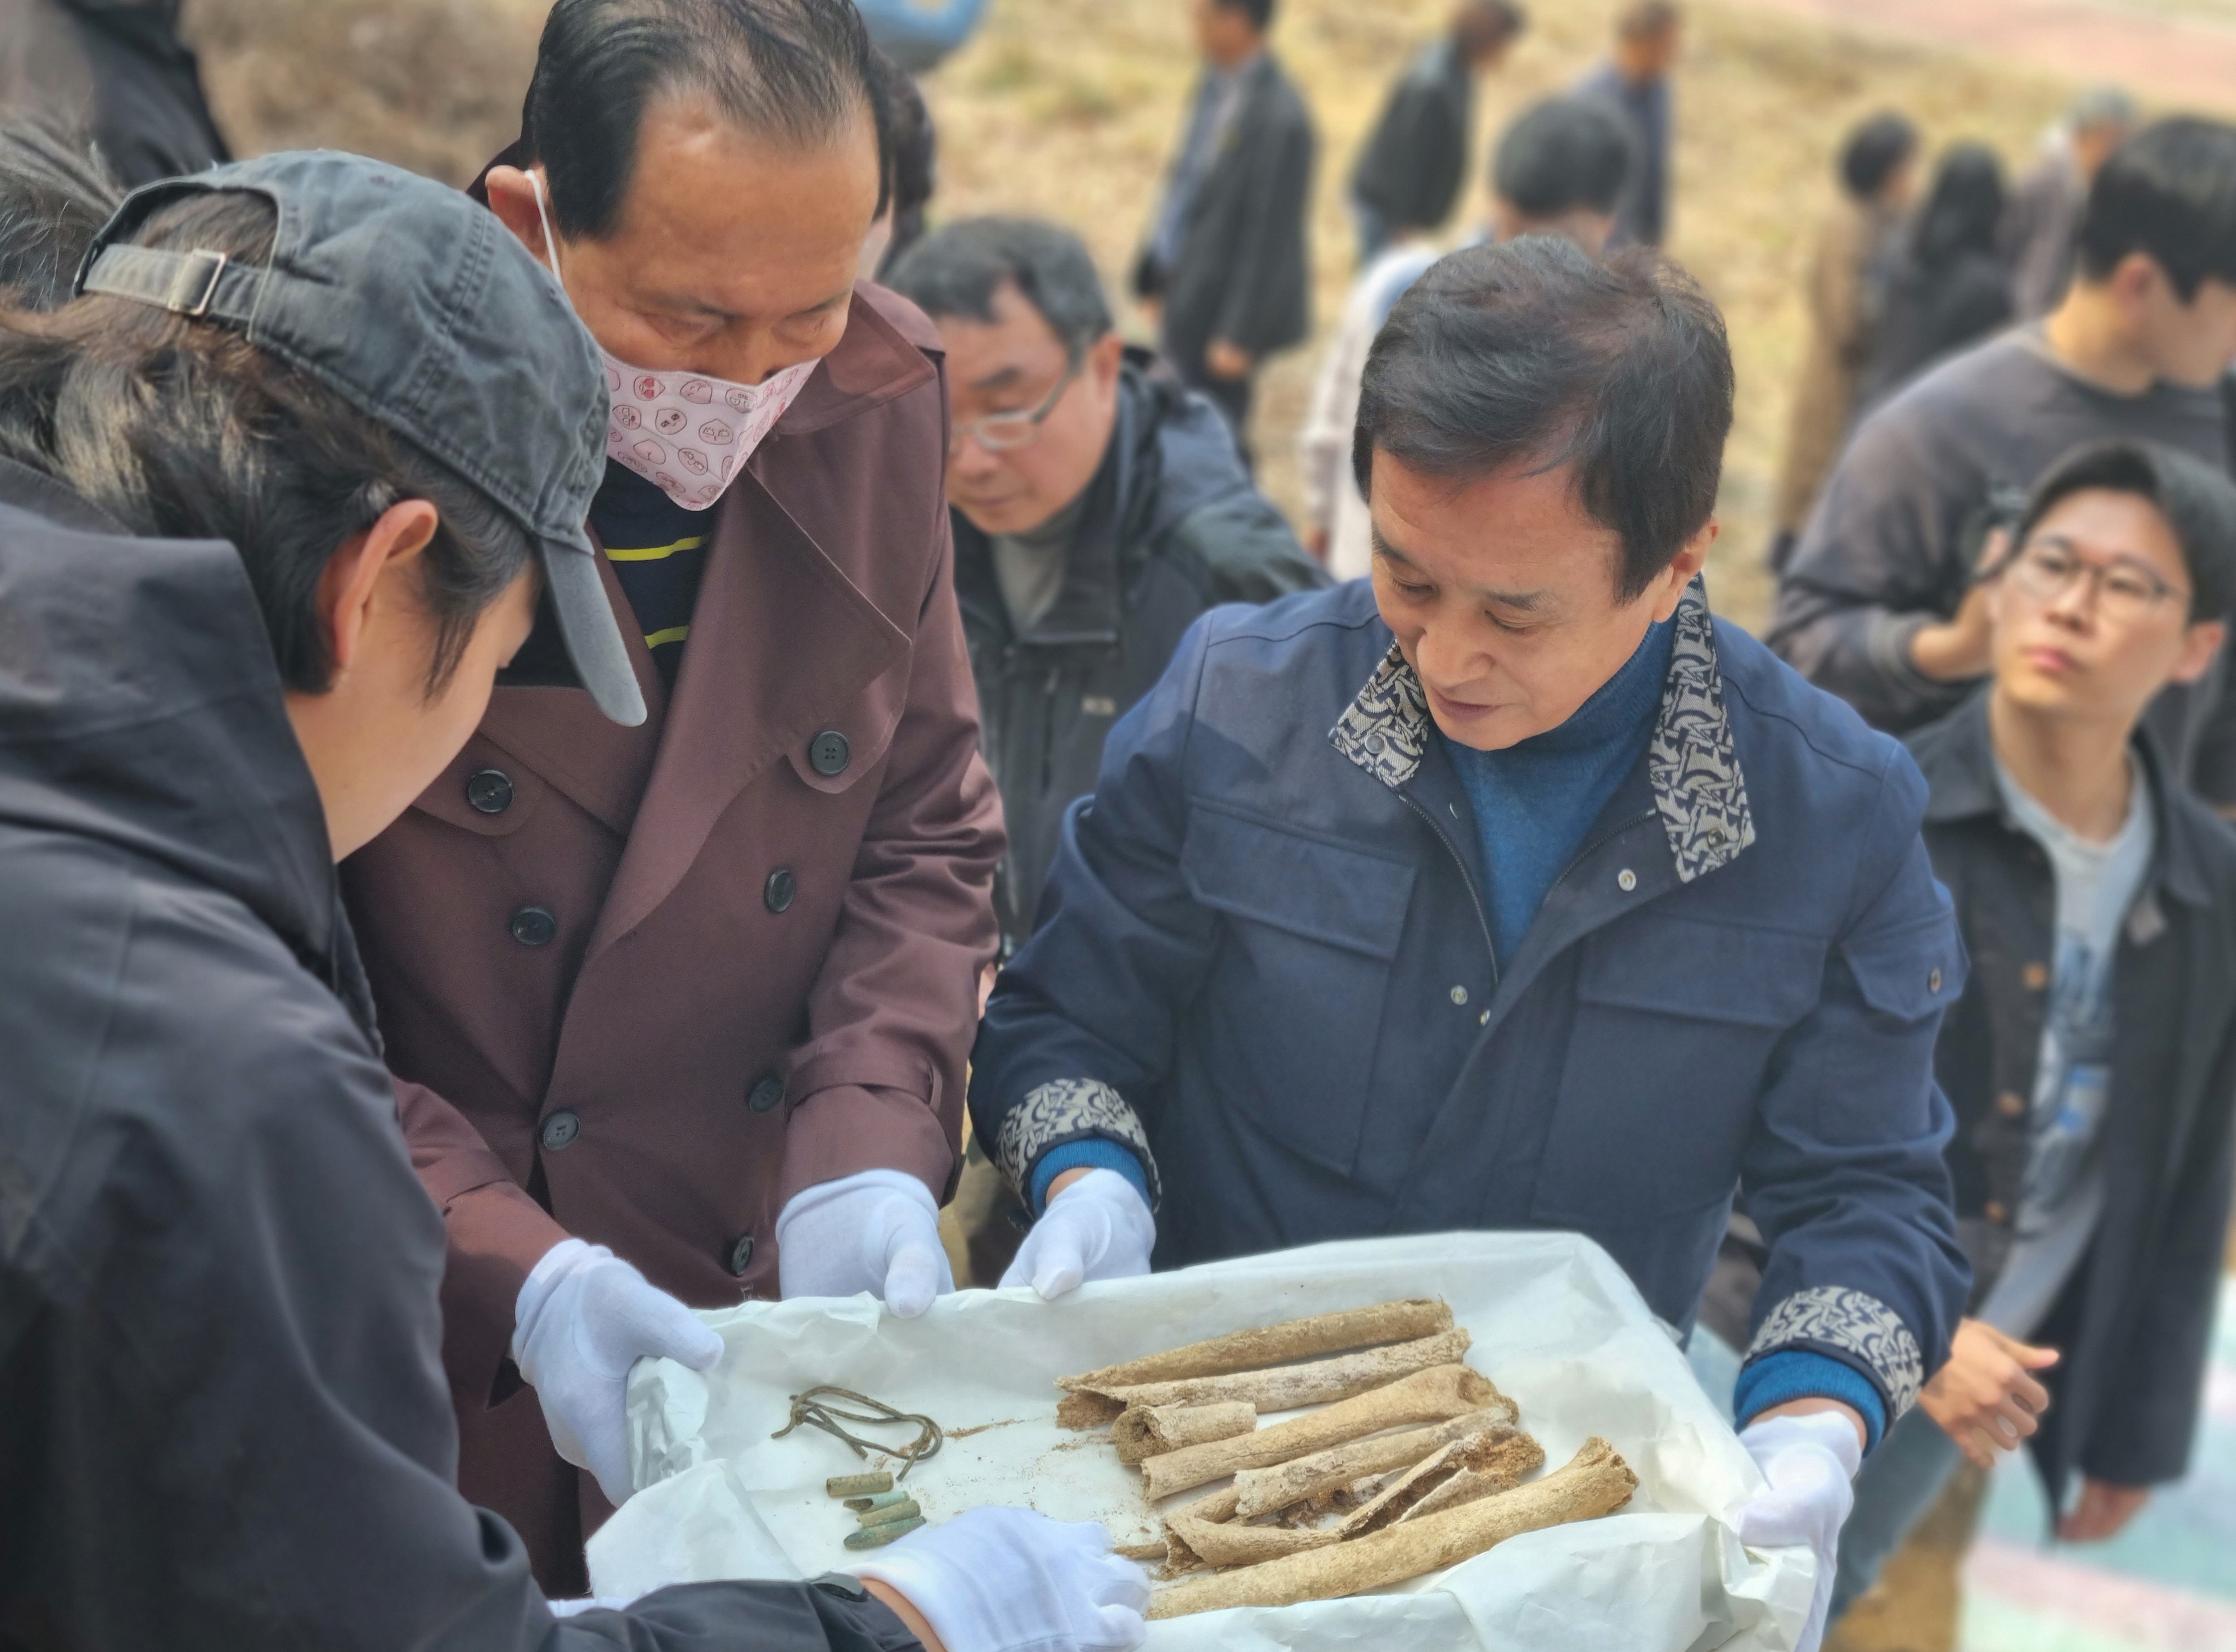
<point x="643" y="986"/>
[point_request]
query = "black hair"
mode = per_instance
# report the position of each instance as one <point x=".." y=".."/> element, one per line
<point x="909" y="145"/>
<point x="1873" y="150"/>
<point x="1962" y="209"/>
<point x="180" y="428"/>
<point x="1261" y="12"/>
<point x="1480" y="24"/>
<point x="2170" y="192"/>
<point x="2197" y="502"/>
<point x="798" y="71"/>
<point x="55" y="196"/>
<point x="1564" y="155"/>
<point x="1533" y="353"/>
<point x="958" y="268"/>
<point x="1648" y="20"/>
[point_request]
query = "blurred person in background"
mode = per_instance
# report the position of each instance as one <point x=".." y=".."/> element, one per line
<point x="1879" y="603"/>
<point x="1948" y="286"/>
<point x="1227" y="270"/>
<point x="918" y="34"/>
<point x="57" y="194"/>
<point x="1099" y="509"/>
<point x="679" y="1013"/>
<point x="911" y="157"/>
<point x="2036" y="237"/>
<point x="1849" y="269"/>
<point x="2092" y="1058"/>
<point x="1635" y="82"/>
<point x="1413" y="164"/>
<point x="117" y="71"/>
<point x="251" y="607"/>
<point x="1558" y="170"/>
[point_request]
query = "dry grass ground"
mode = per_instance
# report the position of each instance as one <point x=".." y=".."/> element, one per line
<point x="1067" y="108"/>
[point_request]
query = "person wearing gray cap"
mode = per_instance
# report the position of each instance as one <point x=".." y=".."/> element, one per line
<point x="281" y="487"/>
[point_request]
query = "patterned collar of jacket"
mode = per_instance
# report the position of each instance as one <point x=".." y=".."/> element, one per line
<point x="1692" y="760"/>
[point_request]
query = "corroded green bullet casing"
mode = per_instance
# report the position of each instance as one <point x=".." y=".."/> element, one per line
<point x="905" y="1510"/>
<point x="858" y="1486"/>
<point x="879" y="1536"/>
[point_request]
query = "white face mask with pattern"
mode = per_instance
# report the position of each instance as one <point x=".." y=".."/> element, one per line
<point x="687" y="433"/>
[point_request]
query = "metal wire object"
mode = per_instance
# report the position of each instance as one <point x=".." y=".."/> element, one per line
<point x="817" y="1412"/>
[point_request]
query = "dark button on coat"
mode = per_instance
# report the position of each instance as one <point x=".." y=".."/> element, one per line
<point x="1245" y="970"/>
<point x="686" y="964"/>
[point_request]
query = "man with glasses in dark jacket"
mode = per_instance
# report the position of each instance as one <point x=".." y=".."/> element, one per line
<point x="2091" y="1060"/>
<point x="1100" y="508"/>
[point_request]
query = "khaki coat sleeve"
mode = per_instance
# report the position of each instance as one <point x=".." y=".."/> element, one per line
<point x="892" y="1013"/>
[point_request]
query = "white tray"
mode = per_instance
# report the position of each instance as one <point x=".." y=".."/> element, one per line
<point x="1556" y="1324"/>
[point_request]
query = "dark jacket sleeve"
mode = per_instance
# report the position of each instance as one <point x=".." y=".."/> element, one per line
<point x="1878" y="561"/>
<point x="1267" y="303"/>
<point x="2144" y="1433"/>
<point x="1082" y="1024"/>
<point x="1412" y="167"/>
<point x="1843" y="1171"/>
<point x="1243" y="551"/>
<point x="248" y="1443"/>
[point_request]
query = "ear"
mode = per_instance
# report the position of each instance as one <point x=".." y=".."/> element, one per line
<point x="1690" y="559"/>
<point x="512" y="198"/>
<point x="2134" y="277"/>
<point x="2198" y="644"/>
<point x="1104" y="357"/>
<point x="351" y="587"/>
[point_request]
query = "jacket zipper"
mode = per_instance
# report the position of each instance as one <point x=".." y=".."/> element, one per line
<point x="1467" y="877"/>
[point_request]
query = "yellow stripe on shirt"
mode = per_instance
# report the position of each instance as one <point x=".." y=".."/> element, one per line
<point x="656" y="552"/>
<point x="673" y="634"/>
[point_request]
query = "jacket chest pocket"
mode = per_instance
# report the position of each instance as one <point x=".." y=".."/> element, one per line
<point x="1677" y="1024"/>
<point x="1292" y="1005"/>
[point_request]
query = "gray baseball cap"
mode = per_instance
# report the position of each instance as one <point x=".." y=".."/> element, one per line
<point x="419" y="309"/>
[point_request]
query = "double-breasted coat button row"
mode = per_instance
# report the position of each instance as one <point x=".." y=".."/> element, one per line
<point x="534" y="926"/>
<point x="739" y="1257"/>
<point x="560" y="1131"/>
<point x="490" y="791"/>
<point x="829" y="752"/>
<point x="782" y="887"/>
<point x="766" y="1096"/>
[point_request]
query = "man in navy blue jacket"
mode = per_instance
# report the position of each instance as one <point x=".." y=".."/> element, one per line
<point x="1510" y="891"/>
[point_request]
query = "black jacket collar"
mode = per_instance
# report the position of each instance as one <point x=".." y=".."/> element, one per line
<point x="1957" y="756"/>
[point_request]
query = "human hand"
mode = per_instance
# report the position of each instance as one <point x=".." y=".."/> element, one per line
<point x="1008" y="1580"/>
<point x="1984" y="1397"/>
<point x="875" y="1231"/>
<point x="1096" y="1227"/>
<point x="1809" y="1460"/>
<point x="1961" y="646"/>
<point x="584" y="1317"/>
<point x="2102" y="1512"/>
<point x="1227" y="361"/>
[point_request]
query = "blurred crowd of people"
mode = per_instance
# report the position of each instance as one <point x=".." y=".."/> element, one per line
<point x="964" y="728"/>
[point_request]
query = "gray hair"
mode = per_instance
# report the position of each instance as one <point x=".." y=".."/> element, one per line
<point x="55" y="195"/>
<point x="2103" y="106"/>
<point x="955" y="271"/>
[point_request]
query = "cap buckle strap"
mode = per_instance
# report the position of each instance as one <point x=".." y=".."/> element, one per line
<point x="206" y="266"/>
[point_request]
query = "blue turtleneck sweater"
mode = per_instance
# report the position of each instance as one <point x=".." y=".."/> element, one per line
<point x="1535" y="801"/>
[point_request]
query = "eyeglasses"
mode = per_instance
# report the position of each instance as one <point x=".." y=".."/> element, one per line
<point x="1006" y="432"/>
<point x="2045" y="570"/>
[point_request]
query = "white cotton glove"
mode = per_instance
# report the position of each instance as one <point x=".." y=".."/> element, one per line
<point x="583" y="1319"/>
<point x="875" y="1231"/>
<point x="1810" y="1461"/>
<point x="1097" y="1228"/>
<point x="1008" y="1580"/>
